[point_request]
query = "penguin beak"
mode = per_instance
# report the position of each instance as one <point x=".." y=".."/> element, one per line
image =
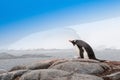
<point x="72" y="42"/>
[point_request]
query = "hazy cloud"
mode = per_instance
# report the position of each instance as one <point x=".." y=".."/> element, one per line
<point x="100" y="33"/>
<point x="51" y="39"/>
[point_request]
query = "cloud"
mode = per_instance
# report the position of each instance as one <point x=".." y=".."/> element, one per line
<point x="99" y="34"/>
<point x="50" y="39"/>
<point x="103" y="33"/>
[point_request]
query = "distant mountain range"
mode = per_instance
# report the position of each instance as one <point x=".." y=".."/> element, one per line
<point x="4" y="55"/>
<point x="13" y="54"/>
<point x="108" y="54"/>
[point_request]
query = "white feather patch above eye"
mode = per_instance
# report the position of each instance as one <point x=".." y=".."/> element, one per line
<point x="85" y="54"/>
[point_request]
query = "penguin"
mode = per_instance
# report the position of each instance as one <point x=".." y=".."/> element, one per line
<point x="84" y="47"/>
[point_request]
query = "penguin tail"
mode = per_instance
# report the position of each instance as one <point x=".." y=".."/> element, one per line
<point x="100" y="60"/>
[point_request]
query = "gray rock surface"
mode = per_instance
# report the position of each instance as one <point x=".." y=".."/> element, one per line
<point x="114" y="76"/>
<point x="2" y="71"/>
<point x="82" y="67"/>
<point x="17" y="68"/>
<point x="53" y="74"/>
<point x="41" y="65"/>
<point x="12" y="75"/>
<point x="38" y="65"/>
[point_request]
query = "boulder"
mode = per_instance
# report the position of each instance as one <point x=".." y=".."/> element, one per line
<point x="53" y="74"/>
<point x="12" y="75"/>
<point x="2" y="71"/>
<point x="113" y="76"/>
<point x="17" y="68"/>
<point x="73" y="60"/>
<point x="41" y="65"/>
<point x="82" y="67"/>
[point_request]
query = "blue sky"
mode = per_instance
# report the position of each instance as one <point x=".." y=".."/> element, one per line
<point x="20" y="18"/>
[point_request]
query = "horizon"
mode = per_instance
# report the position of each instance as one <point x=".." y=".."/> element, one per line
<point x="52" y="49"/>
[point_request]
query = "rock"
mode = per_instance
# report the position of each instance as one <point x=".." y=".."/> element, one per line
<point x="59" y="62"/>
<point x="12" y="75"/>
<point x="85" y="60"/>
<point x="82" y="67"/>
<point x="74" y="60"/>
<point x="64" y="69"/>
<point x="113" y="76"/>
<point x="53" y="74"/>
<point x="41" y="65"/>
<point x="17" y="68"/>
<point x="2" y="71"/>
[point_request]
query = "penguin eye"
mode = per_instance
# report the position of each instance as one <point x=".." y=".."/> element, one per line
<point x="74" y="43"/>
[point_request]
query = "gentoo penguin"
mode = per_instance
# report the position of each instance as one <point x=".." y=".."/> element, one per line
<point x="83" y="46"/>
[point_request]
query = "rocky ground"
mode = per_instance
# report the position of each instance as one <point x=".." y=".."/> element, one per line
<point x="64" y="69"/>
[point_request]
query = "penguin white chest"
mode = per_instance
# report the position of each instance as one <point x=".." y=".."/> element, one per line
<point x="85" y="54"/>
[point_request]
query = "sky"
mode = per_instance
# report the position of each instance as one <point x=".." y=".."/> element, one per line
<point x="22" y="18"/>
<point x="105" y="35"/>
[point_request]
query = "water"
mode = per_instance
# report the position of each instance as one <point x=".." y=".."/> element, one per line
<point x="9" y="63"/>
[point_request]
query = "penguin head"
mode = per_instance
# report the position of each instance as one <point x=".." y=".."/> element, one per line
<point x="73" y="42"/>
